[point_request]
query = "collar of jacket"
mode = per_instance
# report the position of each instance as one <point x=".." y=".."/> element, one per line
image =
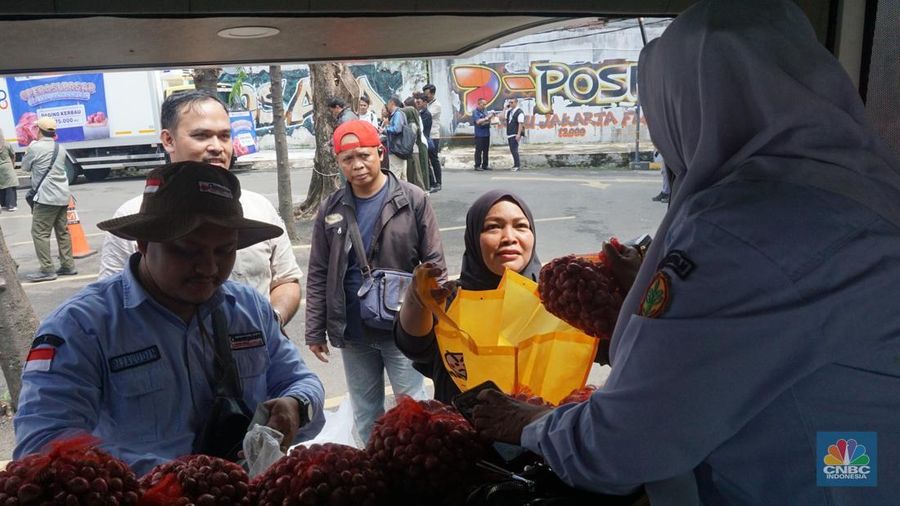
<point x="396" y="195"/>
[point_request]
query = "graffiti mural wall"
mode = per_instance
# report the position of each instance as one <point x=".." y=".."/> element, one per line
<point x="572" y="88"/>
<point x="378" y="81"/>
<point x="574" y="85"/>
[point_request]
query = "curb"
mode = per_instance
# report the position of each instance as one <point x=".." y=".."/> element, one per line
<point x="535" y="156"/>
<point x="462" y="159"/>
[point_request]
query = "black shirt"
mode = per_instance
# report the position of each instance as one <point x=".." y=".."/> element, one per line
<point x="425" y="114"/>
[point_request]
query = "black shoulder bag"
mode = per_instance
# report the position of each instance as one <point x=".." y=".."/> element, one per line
<point x="222" y="435"/>
<point x="32" y="193"/>
<point x="382" y="290"/>
<point x="401" y="144"/>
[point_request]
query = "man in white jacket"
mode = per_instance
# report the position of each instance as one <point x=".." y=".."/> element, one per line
<point x="195" y="127"/>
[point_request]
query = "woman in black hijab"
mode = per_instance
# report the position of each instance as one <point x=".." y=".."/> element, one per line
<point x="499" y="235"/>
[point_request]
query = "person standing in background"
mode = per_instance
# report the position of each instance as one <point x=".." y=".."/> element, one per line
<point x="46" y="160"/>
<point x="8" y="179"/>
<point x="664" y="194"/>
<point x="394" y="127"/>
<point x="195" y="127"/>
<point x="397" y="230"/>
<point x="434" y="107"/>
<point x="482" y="122"/>
<point x="421" y="104"/>
<point x="515" y="127"/>
<point x="417" y="164"/>
<point x="365" y="111"/>
<point x="339" y="111"/>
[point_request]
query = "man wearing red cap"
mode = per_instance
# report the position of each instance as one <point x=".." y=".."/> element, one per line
<point x="398" y="231"/>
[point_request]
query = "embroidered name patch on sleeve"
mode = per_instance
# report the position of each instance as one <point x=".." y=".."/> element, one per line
<point x="247" y="340"/>
<point x="43" y="350"/>
<point x="134" y="359"/>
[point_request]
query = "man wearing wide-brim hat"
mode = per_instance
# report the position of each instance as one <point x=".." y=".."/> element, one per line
<point x="132" y="358"/>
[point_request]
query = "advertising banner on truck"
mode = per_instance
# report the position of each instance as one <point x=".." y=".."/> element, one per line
<point x="243" y="133"/>
<point x="76" y="101"/>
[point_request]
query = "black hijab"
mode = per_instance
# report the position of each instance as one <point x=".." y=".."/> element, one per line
<point x="475" y="274"/>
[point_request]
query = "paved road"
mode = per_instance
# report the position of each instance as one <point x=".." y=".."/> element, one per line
<point x="575" y="209"/>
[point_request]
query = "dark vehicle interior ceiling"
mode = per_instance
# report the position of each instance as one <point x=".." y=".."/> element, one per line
<point x="136" y="34"/>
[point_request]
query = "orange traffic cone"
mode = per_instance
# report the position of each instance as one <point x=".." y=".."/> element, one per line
<point x="80" y="247"/>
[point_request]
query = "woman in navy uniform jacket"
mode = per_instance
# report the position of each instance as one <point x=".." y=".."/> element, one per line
<point x="762" y="329"/>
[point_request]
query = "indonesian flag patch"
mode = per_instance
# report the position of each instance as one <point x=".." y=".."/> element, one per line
<point x="43" y="350"/>
<point x="152" y="185"/>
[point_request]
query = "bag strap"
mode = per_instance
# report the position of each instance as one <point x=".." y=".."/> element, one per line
<point x="228" y="384"/>
<point x="356" y="239"/>
<point x="52" y="161"/>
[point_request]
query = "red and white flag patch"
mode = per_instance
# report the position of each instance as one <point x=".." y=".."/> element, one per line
<point x="40" y="359"/>
<point x="43" y="349"/>
<point x="152" y="185"/>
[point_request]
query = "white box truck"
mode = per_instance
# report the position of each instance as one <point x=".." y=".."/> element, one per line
<point x="105" y="121"/>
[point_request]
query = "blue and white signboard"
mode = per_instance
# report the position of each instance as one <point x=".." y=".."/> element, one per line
<point x="76" y="101"/>
<point x="243" y="132"/>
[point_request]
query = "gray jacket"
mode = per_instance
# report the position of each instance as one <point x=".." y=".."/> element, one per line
<point x="54" y="191"/>
<point x="346" y="115"/>
<point x="8" y="177"/>
<point x="406" y="236"/>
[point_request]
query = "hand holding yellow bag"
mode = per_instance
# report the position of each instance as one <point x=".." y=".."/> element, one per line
<point x="507" y="336"/>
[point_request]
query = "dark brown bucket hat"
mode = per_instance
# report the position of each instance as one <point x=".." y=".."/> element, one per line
<point x="180" y="197"/>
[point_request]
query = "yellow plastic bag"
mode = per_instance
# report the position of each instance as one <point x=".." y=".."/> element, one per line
<point x="506" y="335"/>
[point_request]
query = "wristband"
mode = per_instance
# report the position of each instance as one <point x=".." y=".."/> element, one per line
<point x="306" y="410"/>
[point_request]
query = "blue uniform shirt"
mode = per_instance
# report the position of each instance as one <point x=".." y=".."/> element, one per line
<point x="113" y="362"/>
<point x="783" y="324"/>
<point x="481" y="130"/>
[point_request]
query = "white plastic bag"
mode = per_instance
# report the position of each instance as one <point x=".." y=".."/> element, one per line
<point x="338" y="427"/>
<point x="262" y="447"/>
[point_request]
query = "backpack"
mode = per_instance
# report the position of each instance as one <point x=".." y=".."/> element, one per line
<point x="401" y="145"/>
